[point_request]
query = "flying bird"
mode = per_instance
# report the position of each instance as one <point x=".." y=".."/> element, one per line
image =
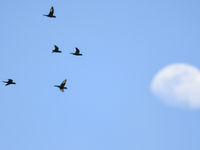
<point x="77" y="53"/>
<point x="10" y="81"/>
<point x="51" y="13"/>
<point x="56" y="50"/>
<point x="62" y="86"/>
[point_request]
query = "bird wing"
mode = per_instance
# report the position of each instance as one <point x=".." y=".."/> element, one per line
<point x="56" y="47"/>
<point x="63" y="83"/>
<point x="7" y="84"/>
<point x="10" y="80"/>
<point x="77" y="51"/>
<point x="51" y="11"/>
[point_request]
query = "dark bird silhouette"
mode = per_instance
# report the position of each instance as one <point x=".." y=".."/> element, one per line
<point x="51" y="13"/>
<point x="62" y="86"/>
<point x="10" y="81"/>
<point x="77" y="53"/>
<point x="56" y="50"/>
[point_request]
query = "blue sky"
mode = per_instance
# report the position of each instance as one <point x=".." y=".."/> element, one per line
<point x="108" y="104"/>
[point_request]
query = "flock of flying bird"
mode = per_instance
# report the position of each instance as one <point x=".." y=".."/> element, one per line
<point x="56" y="50"/>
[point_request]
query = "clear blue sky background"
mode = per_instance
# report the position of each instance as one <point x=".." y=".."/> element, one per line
<point x="108" y="104"/>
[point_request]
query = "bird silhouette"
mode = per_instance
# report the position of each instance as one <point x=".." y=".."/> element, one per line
<point x="56" y="50"/>
<point x="10" y="81"/>
<point x="62" y="86"/>
<point x="77" y="53"/>
<point x="51" y="13"/>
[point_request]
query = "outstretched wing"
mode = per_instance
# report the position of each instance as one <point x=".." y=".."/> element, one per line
<point x="56" y="47"/>
<point x="63" y="83"/>
<point x="10" y="80"/>
<point x="7" y="84"/>
<point x="77" y="51"/>
<point x="51" y="11"/>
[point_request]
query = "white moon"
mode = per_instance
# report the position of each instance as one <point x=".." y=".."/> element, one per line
<point x="178" y="85"/>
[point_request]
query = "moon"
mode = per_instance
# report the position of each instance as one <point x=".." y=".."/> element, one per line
<point x="178" y="85"/>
